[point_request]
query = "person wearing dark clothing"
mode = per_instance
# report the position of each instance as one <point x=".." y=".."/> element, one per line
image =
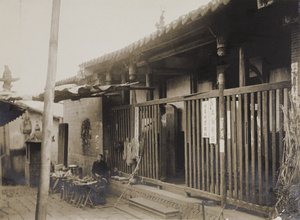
<point x="99" y="172"/>
<point x="99" y="169"/>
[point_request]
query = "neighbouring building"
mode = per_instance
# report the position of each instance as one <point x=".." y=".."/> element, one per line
<point x="13" y="137"/>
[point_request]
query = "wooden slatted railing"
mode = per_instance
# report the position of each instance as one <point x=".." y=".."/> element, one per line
<point x="119" y="133"/>
<point x="254" y="134"/>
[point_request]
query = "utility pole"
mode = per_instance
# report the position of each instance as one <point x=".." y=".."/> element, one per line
<point x="42" y="196"/>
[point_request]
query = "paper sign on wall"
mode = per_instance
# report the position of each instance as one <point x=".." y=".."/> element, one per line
<point x="205" y="119"/>
<point x="213" y="120"/>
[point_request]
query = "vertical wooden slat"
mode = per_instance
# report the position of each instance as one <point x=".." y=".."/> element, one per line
<point x="286" y="106"/>
<point x="212" y="169"/>
<point x="207" y="146"/>
<point x="252" y="110"/>
<point x="159" y="140"/>
<point x="148" y="142"/>
<point x="273" y="120"/>
<point x="144" y="141"/>
<point x="194" y="144"/>
<point x="217" y="150"/>
<point x="266" y="146"/>
<point x="246" y="124"/>
<point x="217" y="172"/>
<point x="156" y="140"/>
<point x="140" y="141"/>
<point x="240" y="146"/>
<point x="234" y="143"/>
<point x="198" y="138"/>
<point x="190" y="145"/>
<point x="186" y="143"/>
<point x="228" y="156"/>
<point x="153" y="141"/>
<point x="202" y="153"/>
<point x="280" y="123"/>
<point x="259" y="146"/>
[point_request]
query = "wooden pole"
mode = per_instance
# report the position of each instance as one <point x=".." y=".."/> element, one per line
<point x="242" y="71"/>
<point x="222" y="138"/>
<point x="41" y="206"/>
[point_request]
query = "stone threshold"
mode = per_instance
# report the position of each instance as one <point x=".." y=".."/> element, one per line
<point x="189" y="207"/>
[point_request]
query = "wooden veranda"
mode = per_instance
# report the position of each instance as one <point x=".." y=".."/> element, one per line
<point x="253" y="142"/>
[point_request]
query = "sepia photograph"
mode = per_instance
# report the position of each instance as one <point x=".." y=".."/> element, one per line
<point x="149" y="109"/>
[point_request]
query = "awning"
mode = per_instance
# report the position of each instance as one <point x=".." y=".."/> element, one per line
<point x="75" y="92"/>
<point x="9" y="112"/>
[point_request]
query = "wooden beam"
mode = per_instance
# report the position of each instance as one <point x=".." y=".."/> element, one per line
<point x="181" y="49"/>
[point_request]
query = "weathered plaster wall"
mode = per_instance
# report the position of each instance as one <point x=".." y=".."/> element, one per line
<point x="14" y="163"/>
<point x="75" y="112"/>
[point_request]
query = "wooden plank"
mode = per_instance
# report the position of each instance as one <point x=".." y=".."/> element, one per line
<point x="186" y="144"/>
<point x="240" y="145"/>
<point x="273" y="121"/>
<point x="151" y="153"/>
<point x="212" y="168"/>
<point x="286" y="106"/>
<point x="229" y="156"/>
<point x="202" y="153"/>
<point x="190" y="145"/>
<point x="207" y="146"/>
<point x="159" y="140"/>
<point x="253" y="140"/>
<point x="249" y="206"/>
<point x="198" y="140"/>
<point x="203" y="194"/>
<point x="234" y="143"/>
<point x="156" y="140"/>
<point x="246" y="134"/>
<point x="194" y="145"/>
<point x="148" y="142"/>
<point x="279" y="93"/>
<point x="259" y="146"/>
<point x="153" y="141"/>
<point x="257" y="88"/>
<point x="140" y="172"/>
<point x="242" y="70"/>
<point x="214" y="94"/>
<point x="266" y="145"/>
<point x="217" y="150"/>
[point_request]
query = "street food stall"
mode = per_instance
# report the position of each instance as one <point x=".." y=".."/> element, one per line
<point x="76" y="190"/>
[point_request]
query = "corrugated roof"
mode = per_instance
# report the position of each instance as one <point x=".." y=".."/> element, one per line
<point x="9" y="112"/>
<point x="176" y="24"/>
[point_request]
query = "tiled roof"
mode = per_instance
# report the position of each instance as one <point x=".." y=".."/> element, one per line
<point x="175" y="25"/>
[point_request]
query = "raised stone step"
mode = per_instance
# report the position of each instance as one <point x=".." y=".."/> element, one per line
<point x="154" y="209"/>
<point x="136" y="214"/>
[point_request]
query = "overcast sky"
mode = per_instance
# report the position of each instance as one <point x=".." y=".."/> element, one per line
<point x="87" y="29"/>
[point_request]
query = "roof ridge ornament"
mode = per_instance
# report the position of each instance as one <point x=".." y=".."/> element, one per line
<point x="7" y="79"/>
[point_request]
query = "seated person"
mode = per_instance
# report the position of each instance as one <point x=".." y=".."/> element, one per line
<point x="99" y="169"/>
<point x="99" y="172"/>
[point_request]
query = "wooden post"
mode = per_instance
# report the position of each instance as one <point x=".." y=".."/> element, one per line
<point x="242" y="71"/>
<point x="149" y="82"/>
<point x="42" y="196"/>
<point x="222" y="139"/>
<point x="108" y="78"/>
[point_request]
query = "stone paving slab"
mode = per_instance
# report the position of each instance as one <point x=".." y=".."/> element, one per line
<point x="19" y="203"/>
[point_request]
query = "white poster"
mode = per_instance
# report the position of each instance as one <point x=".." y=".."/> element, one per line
<point x="205" y="119"/>
<point x="213" y="120"/>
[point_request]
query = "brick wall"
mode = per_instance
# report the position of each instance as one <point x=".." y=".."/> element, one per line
<point x="75" y="112"/>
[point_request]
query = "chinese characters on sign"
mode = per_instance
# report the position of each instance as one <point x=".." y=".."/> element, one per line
<point x="205" y="119"/>
<point x="209" y="120"/>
